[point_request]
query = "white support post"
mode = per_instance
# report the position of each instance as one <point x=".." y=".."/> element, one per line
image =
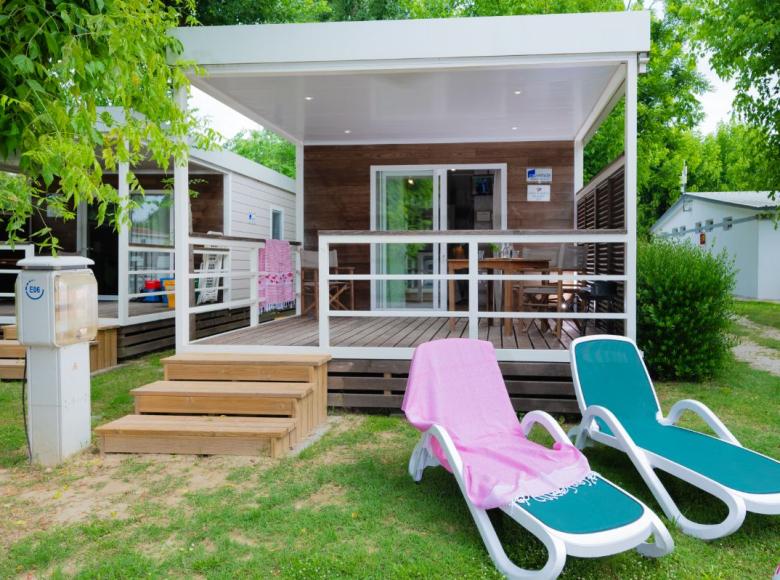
<point x="254" y="287"/>
<point x="298" y="265"/>
<point x="323" y="305"/>
<point x="631" y="194"/>
<point x="181" y="208"/>
<point x="123" y="266"/>
<point x="227" y="280"/>
<point x="474" y="290"/>
<point x="579" y="165"/>
<point x="299" y="192"/>
<point x="227" y="204"/>
<point x="299" y="223"/>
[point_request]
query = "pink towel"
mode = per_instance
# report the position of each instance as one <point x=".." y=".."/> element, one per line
<point x="457" y="384"/>
<point x="276" y="284"/>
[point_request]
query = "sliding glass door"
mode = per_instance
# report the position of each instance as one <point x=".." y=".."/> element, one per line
<point x="405" y="201"/>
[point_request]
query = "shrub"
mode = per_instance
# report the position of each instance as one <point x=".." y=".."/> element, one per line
<point x="684" y="309"/>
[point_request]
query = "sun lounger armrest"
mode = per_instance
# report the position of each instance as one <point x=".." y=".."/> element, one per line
<point x="705" y="413"/>
<point x="448" y="446"/>
<point x="548" y="422"/>
<point x="598" y="412"/>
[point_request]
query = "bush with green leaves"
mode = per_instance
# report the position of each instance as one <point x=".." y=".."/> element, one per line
<point x="684" y="309"/>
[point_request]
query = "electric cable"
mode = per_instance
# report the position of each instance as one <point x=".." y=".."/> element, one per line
<point x="24" y="411"/>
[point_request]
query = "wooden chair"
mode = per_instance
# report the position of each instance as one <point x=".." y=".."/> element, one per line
<point x="550" y="295"/>
<point x="342" y="292"/>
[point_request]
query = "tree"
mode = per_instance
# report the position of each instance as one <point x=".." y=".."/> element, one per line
<point x="734" y="158"/>
<point x="510" y="7"/>
<point x="668" y="110"/>
<point x="60" y="63"/>
<point x="266" y="148"/>
<point x="214" y="12"/>
<point x="742" y="40"/>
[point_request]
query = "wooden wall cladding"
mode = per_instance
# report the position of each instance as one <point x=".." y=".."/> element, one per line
<point x="103" y="350"/>
<point x="602" y="205"/>
<point x="338" y="190"/>
<point x="380" y="384"/>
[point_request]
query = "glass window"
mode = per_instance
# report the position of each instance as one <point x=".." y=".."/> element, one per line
<point x="152" y="219"/>
<point x="277" y="224"/>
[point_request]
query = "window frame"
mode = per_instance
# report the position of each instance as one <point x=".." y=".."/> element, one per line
<point x="271" y="211"/>
<point x="171" y="216"/>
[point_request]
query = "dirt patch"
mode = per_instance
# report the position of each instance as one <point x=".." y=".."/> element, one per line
<point x="328" y="495"/>
<point x="110" y="487"/>
<point x="344" y="423"/>
<point x="760" y="329"/>
<point x="242" y="540"/>
<point x="757" y="356"/>
<point x="336" y="456"/>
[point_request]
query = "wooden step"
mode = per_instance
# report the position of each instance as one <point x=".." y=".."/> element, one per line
<point x="197" y="435"/>
<point x="293" y="400"/>
<point x="12" y="369"/>
<point x="219" y="366"/>
<point x="9" y="332"/>
<point x="12" y="349"/>
<point x="243" y="367"/>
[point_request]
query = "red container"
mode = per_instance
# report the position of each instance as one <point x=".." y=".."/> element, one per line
<point x="152" y="286"/>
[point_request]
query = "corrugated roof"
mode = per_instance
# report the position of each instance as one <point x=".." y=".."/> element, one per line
<point x="755" y="199"/>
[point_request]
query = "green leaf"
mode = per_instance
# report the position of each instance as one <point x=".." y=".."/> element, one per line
<point x="23" y="63"/>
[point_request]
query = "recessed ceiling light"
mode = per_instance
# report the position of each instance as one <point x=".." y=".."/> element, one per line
<point x="410" y="181"/>
<point x="347" y="131"/>
<point x="514" y="128"/>
<point x="309" y="98"/>
<point x="518" y="92"/>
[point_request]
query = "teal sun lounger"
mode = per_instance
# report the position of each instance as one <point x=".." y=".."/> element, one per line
<point x="620" y="408"/>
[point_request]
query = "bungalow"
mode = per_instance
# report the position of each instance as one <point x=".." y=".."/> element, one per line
<point x="439" y="191"/>
<point x="741" y="223"/>
<point x="232" y="198"/>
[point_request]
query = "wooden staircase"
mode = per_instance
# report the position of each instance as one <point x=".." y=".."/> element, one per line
<point x="12" y="355"/>
<point x="224" y="404"/>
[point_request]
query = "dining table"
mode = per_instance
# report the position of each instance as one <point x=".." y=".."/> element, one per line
<point x="505" y="265"/>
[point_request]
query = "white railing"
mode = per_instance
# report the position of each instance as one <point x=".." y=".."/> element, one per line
<point x="131" y="281"/>
<point x="241" y="263"/>
<point x="29" y="252"/>
<point x="472" y="314"/>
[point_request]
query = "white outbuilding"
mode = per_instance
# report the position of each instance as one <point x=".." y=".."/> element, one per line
<point x="740" y="222"/>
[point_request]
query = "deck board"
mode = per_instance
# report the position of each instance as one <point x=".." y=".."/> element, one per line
<point x="395" y="332"/>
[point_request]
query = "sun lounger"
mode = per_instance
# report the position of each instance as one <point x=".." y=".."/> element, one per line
<point x="620" y="409"/>
<point x="456" y="396"/>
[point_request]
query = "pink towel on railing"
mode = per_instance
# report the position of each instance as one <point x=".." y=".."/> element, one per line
<point x="457" y="384"/>
<point x="276" y="284"/>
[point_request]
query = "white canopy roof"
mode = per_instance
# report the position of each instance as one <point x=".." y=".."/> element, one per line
<point x="445" y="80"/>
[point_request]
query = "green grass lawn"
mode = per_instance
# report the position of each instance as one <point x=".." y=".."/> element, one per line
<point x="345" y="507"/>
<point x="766" y="313"/>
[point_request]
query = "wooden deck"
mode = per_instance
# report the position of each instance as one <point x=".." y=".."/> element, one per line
<point x="395" y="332"/>
<point x="106" y="308"/>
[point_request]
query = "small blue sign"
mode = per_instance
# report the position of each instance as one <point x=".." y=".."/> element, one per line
<point x="538" y="174"/>
<point x="33" y="290"/>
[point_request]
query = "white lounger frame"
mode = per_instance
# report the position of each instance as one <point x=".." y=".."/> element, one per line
<point x="738" y="503"/>
<point x="559" y="544"/>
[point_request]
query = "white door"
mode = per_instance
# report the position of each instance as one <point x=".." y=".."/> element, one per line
<point x="414" y="198"/>
<point x="405" y="200"/>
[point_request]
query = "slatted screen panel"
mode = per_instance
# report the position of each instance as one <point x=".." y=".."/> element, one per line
<point x="604" y="207"/>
